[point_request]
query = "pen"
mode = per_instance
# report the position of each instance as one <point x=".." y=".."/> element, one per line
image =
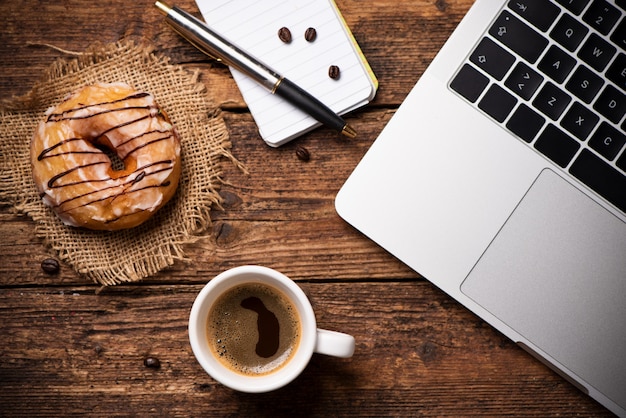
<point x="211" y="43"/>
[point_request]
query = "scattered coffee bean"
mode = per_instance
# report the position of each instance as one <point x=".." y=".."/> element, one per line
<point x="303" y="154"/>
<point x="333" y="72"/>
<point x="50" y="266"/>
<point x="284" y="34"/>
<point x="152" y="362"/>
<point x="310" y="34"/>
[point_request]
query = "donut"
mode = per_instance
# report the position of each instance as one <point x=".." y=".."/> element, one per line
<point x="106" y="158"/>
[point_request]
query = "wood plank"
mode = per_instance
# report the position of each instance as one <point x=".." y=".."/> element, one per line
<point x="69" y="351"/>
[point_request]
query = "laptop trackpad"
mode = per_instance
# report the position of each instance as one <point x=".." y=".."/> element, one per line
<point x="561" y="283"/>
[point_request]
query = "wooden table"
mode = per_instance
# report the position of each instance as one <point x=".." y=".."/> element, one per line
<point x="68" y="347"/>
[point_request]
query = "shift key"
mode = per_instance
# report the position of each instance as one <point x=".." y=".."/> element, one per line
<point x="518" y="36"/>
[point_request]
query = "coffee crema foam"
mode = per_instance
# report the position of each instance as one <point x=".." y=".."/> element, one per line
<point x="253" y="329"/>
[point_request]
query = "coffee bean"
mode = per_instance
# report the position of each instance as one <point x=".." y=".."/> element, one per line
<point x="152" y="362"/>
<point x="333" y="72"/>
<point x="284" y="34"/>
<point x="50" y="266"/>
<point x="303" y="154"/>
<point x="310" y="34"/>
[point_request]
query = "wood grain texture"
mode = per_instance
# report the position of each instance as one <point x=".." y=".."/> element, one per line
<point x="418" y="353"/>
<point x="70" y="348"/>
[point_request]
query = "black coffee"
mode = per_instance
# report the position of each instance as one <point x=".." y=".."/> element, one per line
<point x="253" y="329"/>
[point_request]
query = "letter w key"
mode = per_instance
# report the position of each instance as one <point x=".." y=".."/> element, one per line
<point x="597" y="52"/>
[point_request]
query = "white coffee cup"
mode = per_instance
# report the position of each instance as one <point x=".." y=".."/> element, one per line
<point x="312" y="339"/>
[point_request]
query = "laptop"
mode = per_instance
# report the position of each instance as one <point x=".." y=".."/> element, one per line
<point x="505" y="168"/>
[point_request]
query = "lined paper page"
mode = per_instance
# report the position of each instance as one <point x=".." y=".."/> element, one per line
<point x="253" y="26"/>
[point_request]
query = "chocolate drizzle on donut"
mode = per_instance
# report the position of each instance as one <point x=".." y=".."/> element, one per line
<point x="113" y="197"/>
<point x="45" y="153"/>
<point x="139" y="177"/>
<point x="124" y="190"/>
<point x="59" y="176"/>
<point x="163" y="138"/>
<point x="133" y="182"/>
<point x="55" y="117"/>
<point x="121" y="125"/>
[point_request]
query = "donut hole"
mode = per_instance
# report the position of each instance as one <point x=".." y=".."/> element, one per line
<point x="117" y="164"/>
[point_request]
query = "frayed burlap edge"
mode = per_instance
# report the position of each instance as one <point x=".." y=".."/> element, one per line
<point x="130" y="255"/>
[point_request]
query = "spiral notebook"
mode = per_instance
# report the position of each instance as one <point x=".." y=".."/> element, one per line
<point x="253" y="26"/>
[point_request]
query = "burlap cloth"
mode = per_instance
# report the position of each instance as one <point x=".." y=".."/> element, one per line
<point x="129" y="255"/>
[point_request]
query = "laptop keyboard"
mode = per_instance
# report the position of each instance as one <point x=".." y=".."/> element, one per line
<point x="554" y="74"/>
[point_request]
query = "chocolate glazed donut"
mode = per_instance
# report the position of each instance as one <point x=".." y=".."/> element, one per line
<point x="73" y="148"/>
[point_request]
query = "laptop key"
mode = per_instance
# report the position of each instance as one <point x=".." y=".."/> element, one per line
<point x="557" y="64"/>
<point x="574" y="6"/>
<point x="497" y="103"/>
<point x="557" y="145"/>
<point x="492" y="58"/>
<point x="518" y="36"/>
<point x="608" y="141"/>
<point x="569" y="32"/>
<point x="585" y="84"/>
<point x="525" y="123"/>
<point x="469" y="83"/>
<point x="552" y="101"/>
<point x="579" y="121"/>
<point x="523" y="81"/>
<point x="601" y="177"/>
<point x="619" y="36"/>
<point x="596" y="52"/>
<point x="617" y="71"/>
<point x="540" y="13"/>
<point x="621" y="162"/>
<point x="611" y="103"/>
<point x="602" y="16"/>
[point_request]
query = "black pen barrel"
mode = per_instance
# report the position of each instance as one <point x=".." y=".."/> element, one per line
<point x="303" y="100"/>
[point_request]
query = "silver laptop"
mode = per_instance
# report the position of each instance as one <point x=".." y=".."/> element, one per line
<point x="505" y="169"/>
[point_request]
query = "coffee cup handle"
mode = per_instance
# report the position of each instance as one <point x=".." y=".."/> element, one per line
<point x="333" y="343"/>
